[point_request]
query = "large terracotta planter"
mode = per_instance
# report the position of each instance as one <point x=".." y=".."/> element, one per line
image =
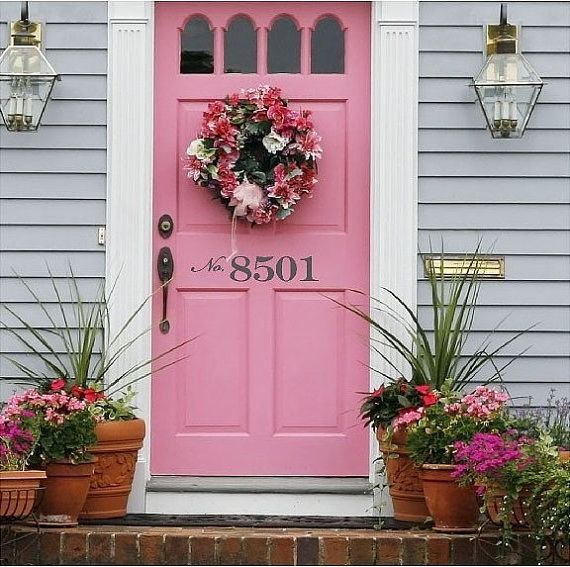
<point x="403" y="477"/>
<point x="453" y="508"/>
<point x="19" y="492"/>
<point x="118" y="444"/>
<point x="564" y="455"/>
<point x="66" y="487"/>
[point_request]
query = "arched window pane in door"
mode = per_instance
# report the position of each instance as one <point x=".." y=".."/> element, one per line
<point x="284" y="47"/>
<point x="327" y="47"/>
<point x="240" y="47"/>
<point x="197" y="47"/>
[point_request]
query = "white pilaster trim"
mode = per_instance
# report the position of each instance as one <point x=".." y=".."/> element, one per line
<point x="394" y="151"/>
<point x="129" y="193"/>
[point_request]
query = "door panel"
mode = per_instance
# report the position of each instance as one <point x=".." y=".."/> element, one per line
<point x="271" y="385"/>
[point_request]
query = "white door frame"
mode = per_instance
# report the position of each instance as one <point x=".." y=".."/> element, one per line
<point x="393" y="193"/>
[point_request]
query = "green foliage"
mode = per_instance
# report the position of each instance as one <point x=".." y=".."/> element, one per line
<point x="117" y="408"/>
<point x="549" y="504"/>
<point x="92" y="349"/>
<point x="437" y="357"/>
<point x="68" y="440"/>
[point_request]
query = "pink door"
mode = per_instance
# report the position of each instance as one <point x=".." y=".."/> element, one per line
<point x="272" y="384"/>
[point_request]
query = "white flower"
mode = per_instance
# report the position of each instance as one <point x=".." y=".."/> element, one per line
<point x="200" y="151"/>
<point x="274" y="143"/>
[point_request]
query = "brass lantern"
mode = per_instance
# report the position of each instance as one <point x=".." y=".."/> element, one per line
<point x="507" y="87"/>
<point x="26" y="77"/>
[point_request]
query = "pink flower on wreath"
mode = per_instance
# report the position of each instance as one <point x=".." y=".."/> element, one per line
<point x="285" y="193"/>
<point x="234" y="99"/>
<point x="194" y="168"/>
<point x="262" y="215"/>
<point x="304" y="121"/>
<point x="228" y="181"/>
<point x="309" y="144"/>
<point x="271" y="96"/>
<point x="280" y="115"/>
<point x="224" y="130"/>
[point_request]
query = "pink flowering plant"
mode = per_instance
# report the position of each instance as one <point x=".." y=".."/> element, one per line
<point x="256" y="154"/>
<point x="505" y="461"/>
<point x="433" y="438"/>
<point x="396" y="405"/>
<point x="61" y="420"/>
<point x="16" y="445"/>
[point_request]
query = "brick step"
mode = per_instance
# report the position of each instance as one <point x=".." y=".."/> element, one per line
<point x="124" y="545"/>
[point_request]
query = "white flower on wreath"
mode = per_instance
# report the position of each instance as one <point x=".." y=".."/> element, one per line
<point x="274" y="142"/>
<point x="200" y="151"/>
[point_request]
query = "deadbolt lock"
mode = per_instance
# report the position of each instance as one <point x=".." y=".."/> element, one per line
<point x="165" y="226"/>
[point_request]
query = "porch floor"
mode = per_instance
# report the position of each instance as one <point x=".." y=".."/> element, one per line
<point x="239" y="545"/>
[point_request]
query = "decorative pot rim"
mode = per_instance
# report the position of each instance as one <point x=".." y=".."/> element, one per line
<point x="30" y="473"/>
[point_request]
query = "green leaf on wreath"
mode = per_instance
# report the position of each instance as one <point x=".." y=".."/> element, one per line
<point x="258" y="176"/>
<point x="284" y="213"/>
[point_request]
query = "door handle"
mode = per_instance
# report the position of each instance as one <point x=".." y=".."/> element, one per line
<point x="165" y="268"/>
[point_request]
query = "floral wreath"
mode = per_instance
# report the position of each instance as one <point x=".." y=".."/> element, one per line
<point x="257" y="155"/>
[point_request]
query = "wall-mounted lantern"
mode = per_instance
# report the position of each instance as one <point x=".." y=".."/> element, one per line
<point x="26" y="77"/>
<point x="507" y="87"/>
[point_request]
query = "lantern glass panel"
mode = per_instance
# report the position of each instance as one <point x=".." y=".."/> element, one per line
<point x="507" y="88"/>
<point x="26" y="82"/>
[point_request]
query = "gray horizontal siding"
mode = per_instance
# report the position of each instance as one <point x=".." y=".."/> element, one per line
<point x="465" y="115"/>
<point x="53" y="182"/>
<point x="456" y="90"/>
<point x="513" y="194"/>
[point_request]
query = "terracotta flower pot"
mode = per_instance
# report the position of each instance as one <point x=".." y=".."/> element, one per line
<point x="495" y="503"/>
<point x="118" y="444"/>
<point x="66" y="488"/>
<point x="19" y="492"/>
<point x="403" y="477"/>
<point x="453" y="508"/>
<point x="564" y="455"/>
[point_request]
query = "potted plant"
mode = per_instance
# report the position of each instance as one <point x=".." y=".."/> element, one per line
<point x="65" y="430"/>
<point x="19" y="486"/>
<point x="435" y="356"/>
<point x="94" y="352"/>
<point x="432" y="443"/>
<point x="501" y="465"/>
<point x="388" y="410"/>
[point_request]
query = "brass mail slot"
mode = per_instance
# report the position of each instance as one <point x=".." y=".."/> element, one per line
<point x="488" y="267"/>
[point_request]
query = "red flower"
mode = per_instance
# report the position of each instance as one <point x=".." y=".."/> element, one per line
<point x="423" y="390"/>
<point x="58" y="384"/>
<point x="377" y="393"/>
<point x="429" y="399"/>
<point x="77" y="391"/>
<point x="91" y="395"/>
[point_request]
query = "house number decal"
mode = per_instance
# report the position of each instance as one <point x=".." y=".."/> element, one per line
<point x="262" y="268"/>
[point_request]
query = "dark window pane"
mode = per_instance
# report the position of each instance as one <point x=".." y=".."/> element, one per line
<point x="284" y="47"/>
<point x="240" y="47"/>
<point x="327" y="47"/>
<point x="197" y="47"/>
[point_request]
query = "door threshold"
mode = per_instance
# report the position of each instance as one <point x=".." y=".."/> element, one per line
<point x="257" y="521"/>
<point x="260" y="485"/>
